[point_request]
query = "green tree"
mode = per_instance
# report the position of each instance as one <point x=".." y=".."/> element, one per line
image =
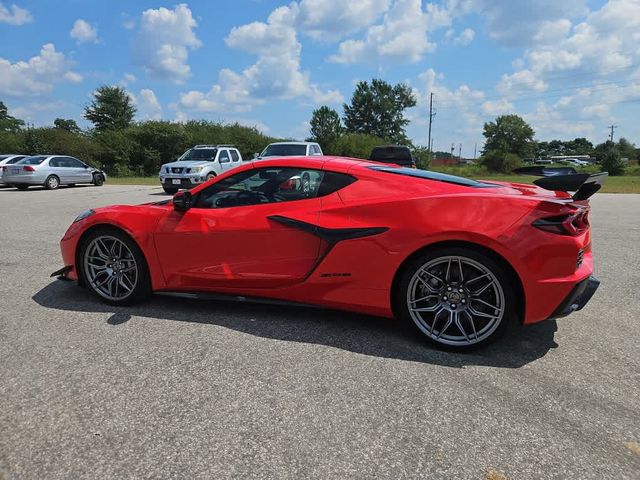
<point x="68" y="125"/>
<point x="355" y="145"/>
<point x="497" y="161"/>
<point x="422" y="157"/>
<point x="509" y="134"/>
<point x="612" y="162"/>
<point x="325" y="127"/>
<point x="377" y="109"/>
<point x="110" y="109"/>
<point x="7" y="122"/>
<point x="626" y="149"/>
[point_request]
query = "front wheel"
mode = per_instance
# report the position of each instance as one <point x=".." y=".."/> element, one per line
<point x="113" y="267"/>
<point x="98" y="180"/>
<point x="457" y="298"/>
<point x="210" y="176"/>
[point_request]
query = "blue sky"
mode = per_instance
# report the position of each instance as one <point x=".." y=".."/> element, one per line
<point x="570" y="67"/>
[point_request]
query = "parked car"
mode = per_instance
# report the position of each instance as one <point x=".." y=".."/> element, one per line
<point x="456" y="259"/>
<point x="8" y="160"/>
<point x="543" y="161"/>
<point x="197" y="165"/>
<point x="575" y="162"/>
<point x="51" y="171"/>
<point x="290" y="149"/>
<point x="397" y="154"/>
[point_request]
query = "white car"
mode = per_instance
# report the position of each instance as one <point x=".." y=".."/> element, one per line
<point x="576" y="162"/>
<point x="290" y="149"/>
<point x="8" y="160"/>
<point x="197" y="165"/>
<point x="51" y="171"/>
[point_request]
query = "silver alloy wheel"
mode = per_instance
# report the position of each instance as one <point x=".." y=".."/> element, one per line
<point x="110" y="268"/>
<point x="53" y="182"/>
<point x="455" y="300"/>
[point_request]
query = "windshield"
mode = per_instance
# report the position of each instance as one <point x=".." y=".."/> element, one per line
<point x="198" y="154"/>
<point x="37" y="160"/>
<point x="284" y="150"/>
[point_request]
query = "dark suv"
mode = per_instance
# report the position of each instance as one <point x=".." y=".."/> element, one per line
<point x="398" y="154"/>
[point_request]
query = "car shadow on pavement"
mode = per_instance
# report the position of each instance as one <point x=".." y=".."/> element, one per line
<point x="347" y="331"/>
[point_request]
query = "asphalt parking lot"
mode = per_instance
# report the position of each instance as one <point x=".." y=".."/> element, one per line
<point x="200" y="389"/>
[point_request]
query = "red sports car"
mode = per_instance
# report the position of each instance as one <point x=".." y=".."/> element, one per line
<point x="456" y="259"/>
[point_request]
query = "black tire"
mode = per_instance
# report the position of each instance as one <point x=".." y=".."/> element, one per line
<point x="210" y="176"/>
<point x="170" y="191"/>
<point x="52" y="182"/>
<point x="21" y="186"/>
<point x="142" y="288"/>
<point x="98" y="179"/>
<point x="462" y="313"/>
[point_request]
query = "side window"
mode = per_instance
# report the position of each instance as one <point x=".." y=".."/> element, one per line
<point x="234" y="155"/>
<point x="264" y="185"/>
<point x="73" y="163"/>
<point x="56" y="162"/>
<point x="332" y="182"/>
<point x="15" y="160"/>
<point x="224" y="156"/>
<point x="315" y="150"/>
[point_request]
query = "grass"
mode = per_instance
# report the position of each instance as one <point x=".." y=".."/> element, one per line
<point x="629" y="183"/>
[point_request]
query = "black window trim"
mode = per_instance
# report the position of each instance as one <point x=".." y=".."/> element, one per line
<point x="434" y="176"/>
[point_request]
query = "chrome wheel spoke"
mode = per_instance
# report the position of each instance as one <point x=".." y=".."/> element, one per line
<point x="447" y="324"/>
<point x="456" y="319"/>
<point x="460" y="289"/>
<point x="110" y="268"/>
<point x="494" y="307"/>
<point x="473" y="324"/>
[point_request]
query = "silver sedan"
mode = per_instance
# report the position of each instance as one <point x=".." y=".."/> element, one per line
<point x="51" y="171"/>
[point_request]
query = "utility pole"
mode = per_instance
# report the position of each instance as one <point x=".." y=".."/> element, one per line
<point x="431" y="115"/>
<point x="460" y="153"/>
<point x="612" y="127"/>
<point x="475" y="149"/>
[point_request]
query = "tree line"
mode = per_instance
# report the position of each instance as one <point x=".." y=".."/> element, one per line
<point x="118" y="144"/>
<point x="375" y="115"/>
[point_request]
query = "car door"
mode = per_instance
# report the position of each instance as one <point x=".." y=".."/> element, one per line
<point x="58" y="167"/>
<point x="234" y="235"/>
<point x="81" y="173"/>
<point x="224" y="159"/>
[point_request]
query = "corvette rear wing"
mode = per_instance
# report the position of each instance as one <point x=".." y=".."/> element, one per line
<point x="566" y="179"/>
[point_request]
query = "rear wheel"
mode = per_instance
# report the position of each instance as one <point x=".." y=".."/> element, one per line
<point x="52" y="182"/>
<point x="170" y="191"/>
<point x="21" y="187"/>
<point x="113" y="267"/>
<point x="457" y="298"/>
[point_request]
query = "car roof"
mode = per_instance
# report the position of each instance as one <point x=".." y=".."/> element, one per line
<point x="294" y="143"/>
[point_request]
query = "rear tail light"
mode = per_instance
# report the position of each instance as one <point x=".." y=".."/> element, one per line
<point x="28" y="168"/>
<point x="573" y="224"/>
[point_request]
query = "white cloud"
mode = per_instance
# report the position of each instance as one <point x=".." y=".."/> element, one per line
<point x="401" y="37"/>
<point x="164" y="40"/>
<point x="465" y="37"/>
<point x="149" y="107"/>
<point x="517" y="23"/>
<point x="330" y="20"/>
<point x="83" y="32"/>
<point x="37" y="75"/>
<point x="127" y="79"/>
<point x="14" y="15"/>
<point x="276" y="74"/>
<point x="497" y="107"/>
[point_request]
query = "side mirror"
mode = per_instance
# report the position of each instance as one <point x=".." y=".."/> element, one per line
<point x="182" y="201"/>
